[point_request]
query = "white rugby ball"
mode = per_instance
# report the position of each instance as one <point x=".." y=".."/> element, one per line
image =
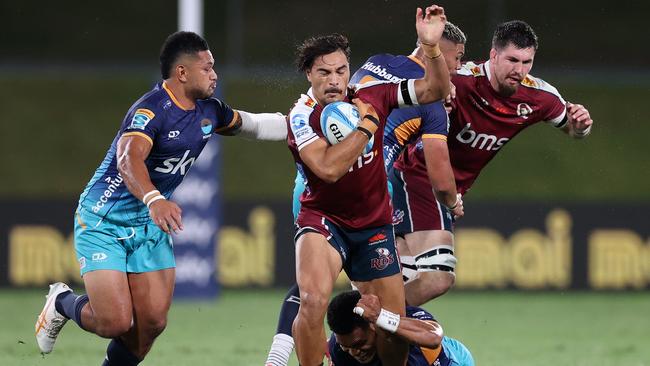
<point x="337" y="120"/>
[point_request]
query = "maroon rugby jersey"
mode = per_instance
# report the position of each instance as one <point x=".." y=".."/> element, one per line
<point x="360" y="198"/>
<point x="482" y="121"/>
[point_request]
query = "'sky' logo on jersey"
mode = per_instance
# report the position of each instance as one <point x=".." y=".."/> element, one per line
<point x="176" y="165"/>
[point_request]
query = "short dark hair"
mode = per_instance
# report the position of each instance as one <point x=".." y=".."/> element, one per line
<point x="313" y="47"/>
<point x="340" y="317"/>
<point x="176" y="45"/>
<point x="517" y="32"/>
<point x="454" y="34"/>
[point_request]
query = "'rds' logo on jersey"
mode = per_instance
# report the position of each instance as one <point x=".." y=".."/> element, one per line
<point x="175" y="165"/>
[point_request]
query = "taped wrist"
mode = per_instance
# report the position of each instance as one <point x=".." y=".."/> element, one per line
<point x="431" y="50"/>
<point x="388" y="321"/>
<point x="370" y="123"/>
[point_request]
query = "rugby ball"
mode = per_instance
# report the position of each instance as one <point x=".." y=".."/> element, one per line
<point x="337" y="120"/>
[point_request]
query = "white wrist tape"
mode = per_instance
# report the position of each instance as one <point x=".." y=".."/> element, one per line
<point x="582" y="133"/>
<point x="149" y="195"/>
<point x="388" y="321"/>
<point x="154" y="199"/>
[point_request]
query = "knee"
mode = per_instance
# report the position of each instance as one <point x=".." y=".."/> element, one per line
<point x="113" y="326"/>
<point x="313" y="303"/>
<point x="153" y="326"/>
<point x="437" y="283"/>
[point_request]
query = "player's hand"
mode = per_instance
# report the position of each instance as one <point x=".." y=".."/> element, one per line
<point x="167" y="215"/>
<point x="578" y="117"/>
<point x="459" y="210"/>
<point x="364" y="108"/>
<point x="429" y="24"/>
<point x="450" y="97"/>
<point x="371" y="307"/>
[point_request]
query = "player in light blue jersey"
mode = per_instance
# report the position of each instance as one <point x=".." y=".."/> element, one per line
<point x="125" y="217"/>
<point x="404" y="126"/>
<point x="354" y="320"/>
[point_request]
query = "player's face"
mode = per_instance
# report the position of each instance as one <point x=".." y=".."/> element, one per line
<point x="201" y="77"/>
<point x="329" y="76"/>
<point x="453" y="54"/>
<point x="510" y="66"/>
<point x="360" y="344"/>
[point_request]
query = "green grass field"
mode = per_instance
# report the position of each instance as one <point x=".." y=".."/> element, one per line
<point x="501" y="329"/>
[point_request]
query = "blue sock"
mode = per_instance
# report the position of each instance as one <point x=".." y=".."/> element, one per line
<point x="69" y="305"/>
<point x="289" y="311"/>
<point x="118" y="355"/>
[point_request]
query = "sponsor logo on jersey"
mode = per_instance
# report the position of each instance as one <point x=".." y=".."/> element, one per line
<point x="82" y="262"/>
<point x="378" y="238"/>
<point x="113" y="184"/>
<point x="168" y="104"/>
<point x="530" y="82"/>
<point x="298" y="121"/>
<point x="480" y="141"/>
<point x="310" y="103"/>
<point x="99" y="257"/>
<point x="384" y="259"/>
<point x="523" y="110"/>
<point x="173" y="134"/>
<point x="141" y="118"/>
<point x="381" y="72"/>
<point x="398" y="217"/>
<point x="177" y="165"/>
<point x="206" y="126"/>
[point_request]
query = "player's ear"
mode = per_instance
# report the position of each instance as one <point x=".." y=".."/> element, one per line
<point x="493" y="53"/>
<point x="308" y="74"/>
<point x="181" y="72"/>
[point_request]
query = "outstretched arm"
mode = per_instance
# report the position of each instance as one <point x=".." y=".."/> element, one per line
<point x="419" y="332"/>
<point x="579" y="121"/>
<point x="441" y="175"/>
<point x="263" y="126"/>
<point x="430" y="24"/>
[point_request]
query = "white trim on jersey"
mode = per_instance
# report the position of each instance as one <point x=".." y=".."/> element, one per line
<point x="411" y="88"/>
<point x="539" y="84"/>
<point x="299" y="125"/>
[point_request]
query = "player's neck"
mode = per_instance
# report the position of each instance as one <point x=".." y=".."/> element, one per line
<point x="178" y="95"/>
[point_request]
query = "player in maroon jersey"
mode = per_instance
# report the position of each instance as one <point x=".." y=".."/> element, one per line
<point x="345" y="220"/>
<point x="494" y="101"/>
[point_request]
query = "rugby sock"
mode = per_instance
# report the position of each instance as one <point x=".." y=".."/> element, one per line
<point x="282" y="345"/>
<point x="69" y="305"/>
<point x="289" y="311"/>
<point x="118" y="355"/>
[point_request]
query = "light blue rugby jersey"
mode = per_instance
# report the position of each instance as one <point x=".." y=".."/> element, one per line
<point x="177" y="137"/>
<point x="404" y="125"/>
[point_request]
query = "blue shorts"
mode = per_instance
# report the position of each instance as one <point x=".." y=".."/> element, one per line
<point x="457" y="353"/>
<point x="415" y="208"/>
<point x="101" y="244"/>
<point x="366" y="254"/>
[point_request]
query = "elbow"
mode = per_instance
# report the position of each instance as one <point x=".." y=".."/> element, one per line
<point x="329" y="175"/>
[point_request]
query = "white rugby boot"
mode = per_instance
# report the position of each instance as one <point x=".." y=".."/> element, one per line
<point x="50" y="321"/>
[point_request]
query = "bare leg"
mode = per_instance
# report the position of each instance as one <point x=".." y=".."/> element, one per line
<point x="152" y="297"/>
<point x="109" y="310"/>
<point x="317" y="267"/>
<point x="429" y="284"/>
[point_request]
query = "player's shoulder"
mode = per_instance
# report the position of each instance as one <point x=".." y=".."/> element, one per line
<point x="537" y="85"/>
<point x="148" y="107"/>
<point x="372" y="85"/>
<point x="472" y="69"/>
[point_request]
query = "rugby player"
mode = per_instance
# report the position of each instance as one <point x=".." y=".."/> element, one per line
<point x="354" y="320"/>
<point x="403" y="126"/>
<point x="344" y="222"/>
<point x="494" y="101"/>
<point x="125" y="217"/>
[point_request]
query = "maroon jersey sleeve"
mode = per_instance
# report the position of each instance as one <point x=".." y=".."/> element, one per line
<point x="553" y="106"/>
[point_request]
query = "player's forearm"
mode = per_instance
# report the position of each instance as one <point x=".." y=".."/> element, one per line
<point x="435" y="85"/>
<point x="263" y="126"/>
<point x="337" y="159"/>
<point x="439" y="170"/>
<point x="135" y="175"/>
<point x="421" y="333"/>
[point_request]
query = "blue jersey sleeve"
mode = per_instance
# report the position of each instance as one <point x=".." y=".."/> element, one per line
<point x="418" y="313"/>
<point x="435" y="122"/>
<point x="228" y="120"/>
<point x="144" y="120"/>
